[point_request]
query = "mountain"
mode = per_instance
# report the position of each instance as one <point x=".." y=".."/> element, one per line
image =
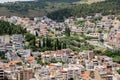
<point x="107" y="7"/>
<point x="33" y="8"/>
<point x="68" y="1"/>
<point x="54" y="8"/>
<point x="36" y="7"/>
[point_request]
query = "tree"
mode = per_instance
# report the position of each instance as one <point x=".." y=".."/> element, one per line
<point x="64" y="45"/>
<point x="44" y="42"/>
<point x="32" y="42"/>
<point x="9" y="28"/>
<point x="118" y="71"/>
<point x="67" y="31"/>
<point x="29" y="37"/>
<point x="102" y="41"/>
<point x="115" y="54"/>
<point x="71" y="79"/>
<point x="85" y="9"/>
<point x="36" y="34"/>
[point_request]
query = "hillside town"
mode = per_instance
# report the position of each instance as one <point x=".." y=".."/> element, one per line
<point x="20" y="62"/>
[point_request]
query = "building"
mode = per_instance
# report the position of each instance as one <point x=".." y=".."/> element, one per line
<point x="1" y="73"/>
<point x="4" y="39"/>
<point x="25" y="74"/>
<point x="17" y="38"/>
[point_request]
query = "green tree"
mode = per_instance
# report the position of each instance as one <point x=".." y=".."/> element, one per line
<point x="67" y="31"/>
<point x="29" y="37"/>
<point x="9" y="28"/>
<point x="118" y="71"/>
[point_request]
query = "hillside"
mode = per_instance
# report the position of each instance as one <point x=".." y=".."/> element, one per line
<point x="33" y="8"/>
<point x="68" y="1"/>
<point x="88" y="1"/>
<point x="9" y="29"/>
<point x="37" y="7"/>
<point x="106" y="8"/>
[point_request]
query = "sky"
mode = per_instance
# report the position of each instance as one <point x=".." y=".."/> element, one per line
<point x="2" y="1"/>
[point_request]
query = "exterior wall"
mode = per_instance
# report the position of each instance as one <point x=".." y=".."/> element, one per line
<point x="1" y="74"/>
<point x="25" y="74"/>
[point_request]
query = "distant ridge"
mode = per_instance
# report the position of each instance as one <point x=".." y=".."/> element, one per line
<point x="105" y="8"/>
<point x="4" y="1"/>
<point x="40" y="8"/>
<point x="88" y="1"/>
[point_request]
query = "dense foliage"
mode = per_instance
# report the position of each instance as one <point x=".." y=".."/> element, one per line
<point x="2" y="55"/>
<point x="57" y="43"/>
<point x="37" y="6"/>
<point x="60" y="0"/>
<point x="67" y="31"/>
<point x="118" y="71"/>
<point x="9" y="28"/>
<point x="29" y="37"/>
<point x="24" y="6"/>
<point x="44" y="43"/>
<point x="115" y="54"/>
<point x="106" y="8"/>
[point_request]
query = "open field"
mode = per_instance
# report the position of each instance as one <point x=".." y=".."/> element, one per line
<point x="88" y="1"/>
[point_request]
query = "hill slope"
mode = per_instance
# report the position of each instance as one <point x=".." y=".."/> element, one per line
<point x="37" y="7"/>
<point x="106" y="8"/>
<point x="33" y="8"/>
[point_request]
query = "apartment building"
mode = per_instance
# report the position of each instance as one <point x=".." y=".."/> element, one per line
<point x="25" y="74"/>
<point x="1" y="73"/>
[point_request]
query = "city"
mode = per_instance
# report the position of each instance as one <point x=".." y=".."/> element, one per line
<point x="78" y="48"/>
